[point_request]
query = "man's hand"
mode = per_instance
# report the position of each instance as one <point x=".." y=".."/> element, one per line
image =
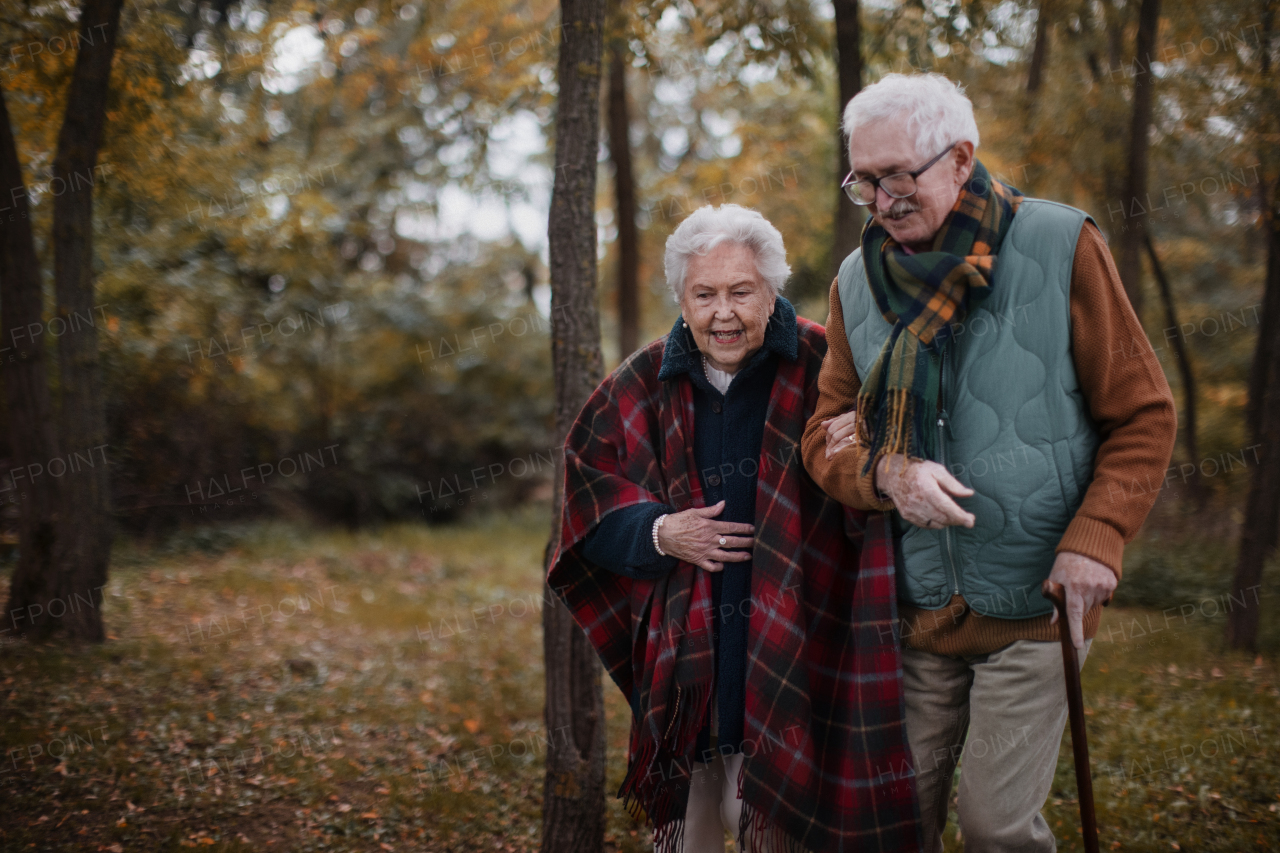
<point x="692" y="536"/>
<point x="1085" y="583"/>
<point x="923" y="492"/>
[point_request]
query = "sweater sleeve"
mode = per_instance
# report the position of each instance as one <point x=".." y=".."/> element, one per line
<point x="623" y="543"/>
<point x="1129" y="400"/>
<point x="841" y="476"/>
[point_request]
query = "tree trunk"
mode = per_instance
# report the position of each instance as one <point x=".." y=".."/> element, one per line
<point x="26" y="385"/>
<point x="1258" y="535"/>
<point x="849" y="70"/>
<point x="624" y="193"/>
<point x="1271" y="296"/>
<point x="573" y="809"/>
<point x="84" y="538"/>
<point x="1039" y="53"/>
<point x="1136" y="200"/>
<point x="1114" y="22"/>
<point x="1264" y="351"/>
<point x="66" y="598"/>
<point x="1190" y="431"/>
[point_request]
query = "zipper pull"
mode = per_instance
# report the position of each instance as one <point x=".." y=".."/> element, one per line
<point x="945" y="420"/>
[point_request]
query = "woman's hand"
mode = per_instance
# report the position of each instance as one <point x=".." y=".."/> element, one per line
<point x="692" y="536"/>
<point x="840" y="432"/>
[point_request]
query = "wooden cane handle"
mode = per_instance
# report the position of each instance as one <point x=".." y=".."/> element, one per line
<point x="1057" y="594"/>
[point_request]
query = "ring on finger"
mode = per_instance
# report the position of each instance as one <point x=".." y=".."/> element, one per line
<point x="723" y="541"/>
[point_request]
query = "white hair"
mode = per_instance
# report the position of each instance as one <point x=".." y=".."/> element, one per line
<point x="936" y="110"/>
<point x="708" y="227"/>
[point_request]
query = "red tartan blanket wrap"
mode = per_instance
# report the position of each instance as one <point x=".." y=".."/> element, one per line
<point x="826" y="762"/>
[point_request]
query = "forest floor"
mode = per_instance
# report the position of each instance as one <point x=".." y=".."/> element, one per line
<point x="267" y="687"/>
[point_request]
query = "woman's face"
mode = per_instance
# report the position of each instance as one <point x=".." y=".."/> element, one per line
<point x="727" y="305"/>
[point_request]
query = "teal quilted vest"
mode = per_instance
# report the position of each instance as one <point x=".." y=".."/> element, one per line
<point x="1013" y="424"/>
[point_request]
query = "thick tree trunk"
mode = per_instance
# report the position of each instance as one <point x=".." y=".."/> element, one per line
<point x="84" y="538"/>
<point x="849" y="71"/>
<point x="1189" y="425"/>
<point x="1136" y="200"/>
<point x="624" y="193"/>
<point x="573" y="810"/>
<point x="1040" y="52"/>
<point x="1258" y="535"/>
<point x="26" y="385"/>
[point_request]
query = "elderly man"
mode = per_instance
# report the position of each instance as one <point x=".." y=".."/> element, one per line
<point x="983" y="382"/>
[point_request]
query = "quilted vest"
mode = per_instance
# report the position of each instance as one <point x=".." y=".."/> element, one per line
<point x="1012" y="422"/>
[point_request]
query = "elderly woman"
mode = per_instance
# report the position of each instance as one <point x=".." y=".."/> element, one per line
<point x="748" y="618"/>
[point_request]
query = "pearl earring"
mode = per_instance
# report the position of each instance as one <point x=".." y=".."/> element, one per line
<point x="682" y="323"/>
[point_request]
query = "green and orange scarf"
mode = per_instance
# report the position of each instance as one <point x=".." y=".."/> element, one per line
<point x="924" y="296"/>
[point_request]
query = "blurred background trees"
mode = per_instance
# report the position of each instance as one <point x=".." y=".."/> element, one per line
<point x="323" y="225"/>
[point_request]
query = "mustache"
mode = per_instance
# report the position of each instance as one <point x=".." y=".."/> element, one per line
<point x="900" y="207"/>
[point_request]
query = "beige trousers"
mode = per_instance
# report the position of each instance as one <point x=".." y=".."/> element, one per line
<point x="714" y="805"/>
<point x="1002" y="713"/>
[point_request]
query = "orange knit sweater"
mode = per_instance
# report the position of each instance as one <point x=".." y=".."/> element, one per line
<point x="1129" y="400"/>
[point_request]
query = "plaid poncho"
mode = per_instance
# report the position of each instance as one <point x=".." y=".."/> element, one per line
<point x="826" y="762"/>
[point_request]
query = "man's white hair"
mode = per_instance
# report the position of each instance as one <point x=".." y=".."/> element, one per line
<point x="936" y="110"/>
<point x="708" y="227"/>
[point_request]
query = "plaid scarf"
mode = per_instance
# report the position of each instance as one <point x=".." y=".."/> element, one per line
<point x="826" y="763"/>
<point x="923" y="295"/>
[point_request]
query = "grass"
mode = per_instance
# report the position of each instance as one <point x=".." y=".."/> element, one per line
<point x="268" y="687"/>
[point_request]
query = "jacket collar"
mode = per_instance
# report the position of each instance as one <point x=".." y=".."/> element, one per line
<point x="781" y="336"/>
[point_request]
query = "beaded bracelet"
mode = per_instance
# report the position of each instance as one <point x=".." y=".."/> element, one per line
<point x="657" y="525"/>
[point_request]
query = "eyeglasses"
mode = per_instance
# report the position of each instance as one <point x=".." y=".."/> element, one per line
<point x="898" y="185"/>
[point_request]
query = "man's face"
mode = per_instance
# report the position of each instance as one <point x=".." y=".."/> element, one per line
<point x="886" y="147"/>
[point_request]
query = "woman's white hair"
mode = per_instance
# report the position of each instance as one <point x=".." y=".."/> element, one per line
<point x="708" y="227"/>
<point x="936" y="110"/>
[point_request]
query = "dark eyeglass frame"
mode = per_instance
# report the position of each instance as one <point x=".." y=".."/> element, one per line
<point x="849" y="183"/>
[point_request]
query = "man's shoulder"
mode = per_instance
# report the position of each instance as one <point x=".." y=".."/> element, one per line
<point x="1043" y="211"/>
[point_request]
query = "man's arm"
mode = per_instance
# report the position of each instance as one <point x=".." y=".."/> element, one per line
<point x="1129" y="400"/>
<point x="840" y="476"/>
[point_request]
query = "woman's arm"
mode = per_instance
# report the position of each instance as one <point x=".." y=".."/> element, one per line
<point x="623" y="542"/>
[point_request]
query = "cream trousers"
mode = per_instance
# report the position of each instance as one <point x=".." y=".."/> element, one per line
<point x="1001" y="715"/>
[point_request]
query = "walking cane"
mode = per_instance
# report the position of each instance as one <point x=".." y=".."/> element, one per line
<point x="1075" y="706"/>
